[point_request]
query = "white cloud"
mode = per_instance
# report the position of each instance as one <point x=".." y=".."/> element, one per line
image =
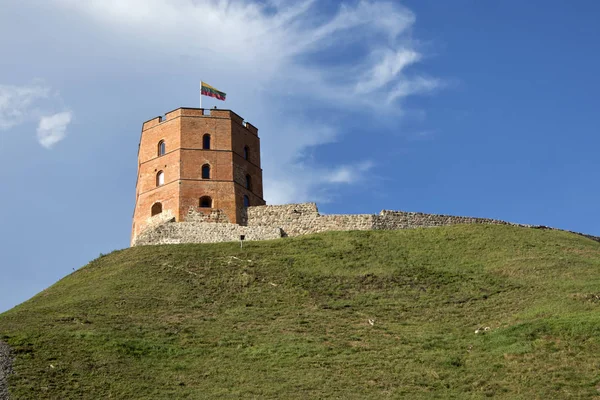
<point x="348" y="173"/>
<point x="271" y="42"/>
<point x="310" y="183"/>
<point x="16" y="103"/>
<point x="414" y="86"/>
<point x="19" y="104"/>
<point x="52" y="129"/>
<point x="387" y="69"/>
<point x="269" y="52"/>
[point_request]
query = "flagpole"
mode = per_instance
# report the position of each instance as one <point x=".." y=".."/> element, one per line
<point x="200" y="94"/>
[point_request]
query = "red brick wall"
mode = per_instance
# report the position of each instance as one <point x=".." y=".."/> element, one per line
<point x="183" y="131"/>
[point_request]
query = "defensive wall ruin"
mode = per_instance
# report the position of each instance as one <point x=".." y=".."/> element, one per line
<point x="277" y="221"/>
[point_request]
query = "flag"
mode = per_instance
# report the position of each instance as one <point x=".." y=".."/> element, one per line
<point x="210" y="91"/>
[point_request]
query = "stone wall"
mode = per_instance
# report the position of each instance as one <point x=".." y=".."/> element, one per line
<point x="391" y="220"/>
<point x="210" y="215"/>
<point x="203" y="232"/>
<point x="272" y="222"/>
<point x="303" y="219"/>
<point x="159" y="219"/>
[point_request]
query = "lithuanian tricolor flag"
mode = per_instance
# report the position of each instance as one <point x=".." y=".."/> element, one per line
<point x="210" y="91"/>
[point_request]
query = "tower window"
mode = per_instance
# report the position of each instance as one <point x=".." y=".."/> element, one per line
<point x="246" y="152"/>
<point x="206" y="142"/>
<point x="162" y="148"/>
<point x="248" y="182"/>
<point x="246" y="201"/>
<point x="206" y="171"/>
<point x="205" y="202"/>
<point x="156" y="209"/>
<point x="160" y="178"/>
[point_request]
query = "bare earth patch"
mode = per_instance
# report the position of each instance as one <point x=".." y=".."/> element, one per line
<point x="5" y="369"/>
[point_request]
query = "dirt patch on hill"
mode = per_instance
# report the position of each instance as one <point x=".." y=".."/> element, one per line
<point x="6" y="360"/>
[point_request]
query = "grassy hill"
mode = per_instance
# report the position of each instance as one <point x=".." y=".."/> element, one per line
<point x="342" y="315"/>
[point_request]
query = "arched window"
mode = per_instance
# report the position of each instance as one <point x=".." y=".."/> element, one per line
<point x="248" y="182"/>
<point x="246" y="201"/>
<point x="160" y="178"/>
<point x="246" y="152"/>
<point x="206" y="171"/>
<point x="162" y="148"/>
<point x="205" y="202"/>
<point x="206" y="142"/>
<point x="156" y="209"/>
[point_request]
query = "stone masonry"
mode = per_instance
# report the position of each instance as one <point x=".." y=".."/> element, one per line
<point x="272" y="222"/>
<point x="203" y="232"/>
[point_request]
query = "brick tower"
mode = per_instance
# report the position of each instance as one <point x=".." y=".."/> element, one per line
<point x="209" y="163"/>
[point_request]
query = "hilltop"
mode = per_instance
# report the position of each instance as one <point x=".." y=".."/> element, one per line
<point x="452" y="312"/>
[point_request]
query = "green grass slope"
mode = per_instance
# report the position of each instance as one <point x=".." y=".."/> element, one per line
<point x="342" y="315"/>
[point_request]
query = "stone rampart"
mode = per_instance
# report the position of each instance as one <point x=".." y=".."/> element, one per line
<point x="203" y="232"/>
<point x="272" y="222"/>
<point x="214" y="216"/>
<point x="392" y="220"/>
<point x="303" y="219"/>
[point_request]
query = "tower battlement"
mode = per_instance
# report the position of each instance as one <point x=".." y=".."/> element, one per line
<point x="200" y="160"/>
<point x="200" y="113"/>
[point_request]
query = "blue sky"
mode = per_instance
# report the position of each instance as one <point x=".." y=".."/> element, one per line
<point x="471" y="108"/>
